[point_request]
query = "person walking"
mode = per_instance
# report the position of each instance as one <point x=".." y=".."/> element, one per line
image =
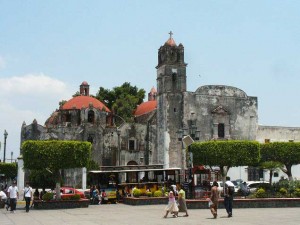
<point x="244" y="189"/>
<point x="214" y="198"/>
<point x="172" y="206"/>
<point x="36" y="196"/>
<point x="28" y="196"/>
<point x="3" y="197"/>
<point x="228" y="196"/>
<point x="181" y="201"/>
<point x="13" y="194"/>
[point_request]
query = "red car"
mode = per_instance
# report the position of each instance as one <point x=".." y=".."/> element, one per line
<point x="67" y="192"/>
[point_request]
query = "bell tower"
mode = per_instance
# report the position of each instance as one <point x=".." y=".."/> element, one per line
<point x="171" y="68"/>
<point x="171" y="86"/>
<point x="84" y="89"/>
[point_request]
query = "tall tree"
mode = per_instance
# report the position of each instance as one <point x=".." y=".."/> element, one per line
<point x="42" y="178"/>
<point x="56" y="155"/>
<point x="225" y="154"/>
<point x="122" y="100"/>
<point x="287" y="153"/>
<point x="272" y="167"/>
<point x="10" y="170"/>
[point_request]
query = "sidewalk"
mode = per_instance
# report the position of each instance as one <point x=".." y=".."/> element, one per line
<point x="119" y="214"/>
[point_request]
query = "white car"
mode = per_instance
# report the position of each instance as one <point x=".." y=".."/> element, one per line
<point x="253" y="185"/>
<point x="220" y="188"/>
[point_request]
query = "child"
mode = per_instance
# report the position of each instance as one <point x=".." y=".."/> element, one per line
<point x="172" y="205"/>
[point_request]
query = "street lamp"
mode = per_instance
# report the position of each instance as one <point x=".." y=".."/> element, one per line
<point x="119" y="147"/>
<point x="5" y="137"/>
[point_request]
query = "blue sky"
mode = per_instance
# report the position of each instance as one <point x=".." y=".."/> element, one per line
<point x="47" y="48"/>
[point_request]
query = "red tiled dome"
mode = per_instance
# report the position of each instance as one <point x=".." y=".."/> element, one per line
<point x="84" y="83"/>
<point x="84" y="101"/>
<point x="170" y="42"/>
<point x="145" y="107"/>
<point x="52" y="119"/>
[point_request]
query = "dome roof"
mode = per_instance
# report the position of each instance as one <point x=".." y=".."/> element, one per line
<point x="170" y="42"/>
<point x="145" y="107"/>
<point x="52" y="119"/>
<point x="84" y="83"/>
<point x="153" y="90"/>
<point x="79" y="102"/>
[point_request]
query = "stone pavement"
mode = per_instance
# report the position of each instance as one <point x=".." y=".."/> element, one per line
<point x="120" y="214"/>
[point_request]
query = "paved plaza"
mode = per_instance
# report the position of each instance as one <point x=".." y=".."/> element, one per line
<point x="119" y="214"/>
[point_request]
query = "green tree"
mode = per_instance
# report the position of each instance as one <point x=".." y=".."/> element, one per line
<point x="42" y="178"/>
<point x="61" y="103"/>
<point x="225" y="154"/>
<point x="122" y="100"/>
<point x="10" y="170"/>
<point x="56" y="155"/>
<point x="287" y="153"/>
<point x="272" y="166"/>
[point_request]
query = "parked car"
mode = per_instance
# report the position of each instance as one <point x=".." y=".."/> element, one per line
<point x="67" y="192"/>
<point x="254" y="185"/>
<point x="220" y="187"/>
<point x="236" y="186"/>
<point x="220" y="183"/>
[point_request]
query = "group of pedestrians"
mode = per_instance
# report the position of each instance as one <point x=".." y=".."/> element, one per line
<point x="175" y="207"/>
<point x="10" y="196"/>
<point x="98" y="197"/>
<point x="228" y="198"/>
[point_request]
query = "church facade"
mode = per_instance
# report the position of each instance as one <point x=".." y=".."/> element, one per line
<point x="212" y="112"/>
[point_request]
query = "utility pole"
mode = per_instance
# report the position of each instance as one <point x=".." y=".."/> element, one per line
<point x="5" y="137"/>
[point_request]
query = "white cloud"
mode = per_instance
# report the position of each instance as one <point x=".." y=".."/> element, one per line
<point x="32" y="84"/>
<point x="25" y="98"/>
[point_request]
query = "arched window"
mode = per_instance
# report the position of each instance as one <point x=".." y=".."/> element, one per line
<point x="91" y="116"/>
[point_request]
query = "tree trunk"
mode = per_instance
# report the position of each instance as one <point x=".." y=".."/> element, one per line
<point x="289" y="172"/>
<point x="57" y="187"/>
<point x="271" y="176"/>
<point x="224" y="170"/>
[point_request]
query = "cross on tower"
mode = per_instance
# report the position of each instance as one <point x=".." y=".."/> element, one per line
<point x="171" y="33"/>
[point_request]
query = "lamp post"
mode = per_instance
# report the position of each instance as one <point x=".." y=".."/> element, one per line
<point x="5" y="137"/>
<point x="119" y="147"/>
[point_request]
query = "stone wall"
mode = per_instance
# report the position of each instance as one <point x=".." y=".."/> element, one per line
<point x="276" y="133"/>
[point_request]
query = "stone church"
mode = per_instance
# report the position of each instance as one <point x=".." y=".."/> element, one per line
<point x="212" y="112"/>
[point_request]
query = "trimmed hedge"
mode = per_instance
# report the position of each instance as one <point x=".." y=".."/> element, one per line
<point x="226" y="153"/>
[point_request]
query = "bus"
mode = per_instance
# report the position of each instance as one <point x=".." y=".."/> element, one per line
<point x="119" y="181"/>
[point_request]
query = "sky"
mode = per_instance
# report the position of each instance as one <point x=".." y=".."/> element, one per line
<point x="48" y="48"/>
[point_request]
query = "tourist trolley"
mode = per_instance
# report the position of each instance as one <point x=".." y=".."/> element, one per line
<point x="118" y="181"/>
